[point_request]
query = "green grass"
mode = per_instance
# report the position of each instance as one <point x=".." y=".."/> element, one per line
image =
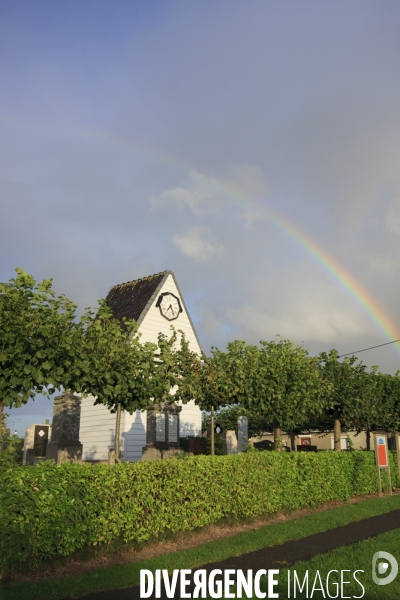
<point x="354" y="557"/>
<point x="120" y="576"/>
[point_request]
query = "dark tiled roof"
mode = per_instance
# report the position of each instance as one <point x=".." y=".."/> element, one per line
<point x="130" y="299"/>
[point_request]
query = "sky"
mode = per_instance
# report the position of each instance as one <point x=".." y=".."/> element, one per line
<point x="252" y="147"/>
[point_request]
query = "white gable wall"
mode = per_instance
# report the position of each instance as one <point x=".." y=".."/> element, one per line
<point x="97" y="428"/>
<point x="154" y="323"/>
<point x="97" y="432"/>
<point x="134" y="435"/>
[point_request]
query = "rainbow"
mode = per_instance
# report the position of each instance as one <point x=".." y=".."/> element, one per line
<point x="339" y="274"/>
<point x="329" y="263"/>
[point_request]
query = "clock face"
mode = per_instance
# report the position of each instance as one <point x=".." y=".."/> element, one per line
<point x="170" y="307"/>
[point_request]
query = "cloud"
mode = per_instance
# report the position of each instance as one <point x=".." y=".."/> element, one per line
<point x="392" y="218"/>
<point x="246" y="181"/>
<point x="299" y="305"/>
<point x="200" y="196"/>
<point x="195" y="246"/>
<point x="235" y="192"/>
<point x="160" y="149"/>
<point x="383" y="265"/>
<point x="323" y="324"/>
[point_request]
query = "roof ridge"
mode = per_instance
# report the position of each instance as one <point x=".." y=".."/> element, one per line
<point x="148" y="278"/>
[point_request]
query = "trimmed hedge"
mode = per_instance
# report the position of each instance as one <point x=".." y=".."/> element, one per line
<point x="51" y="510"/>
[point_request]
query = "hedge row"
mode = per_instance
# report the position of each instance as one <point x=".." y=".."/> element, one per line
<point x="52" y="510"/>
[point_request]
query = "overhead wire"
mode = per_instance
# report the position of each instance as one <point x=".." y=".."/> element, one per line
<point x="370" y="348"/>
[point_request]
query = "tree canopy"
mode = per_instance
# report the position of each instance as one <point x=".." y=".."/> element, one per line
<point x="39" y="337"/>
<point x="44" y="347"/>
<point x="277" y="381"/>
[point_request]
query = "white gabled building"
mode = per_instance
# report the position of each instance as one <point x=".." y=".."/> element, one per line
<point x="155" y="302"/>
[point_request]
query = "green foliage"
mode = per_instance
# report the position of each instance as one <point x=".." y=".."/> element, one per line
<point x="11" y="450"/>
<point x="360" y="400"/>
<point x="276" y="381"/>
<point x="38" y="338"/>
<point x="389" y="401"/>
<point x="112" y="363"/>
<point x="349" y="389"/>
<point x="292" y="389"/>
<point x="44" y="347"/>
<point x="228" y="415"/>
<point x="204" y="378"/>
<point x="219" y="446"/>
<point x="51" y="510"/>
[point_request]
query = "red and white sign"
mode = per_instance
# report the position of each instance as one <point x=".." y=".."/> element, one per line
<point x="381" y="448"/>
<point x="305" y="441"/>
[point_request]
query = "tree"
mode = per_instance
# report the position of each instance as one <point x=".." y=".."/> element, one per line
<point x="368" y="410"/>
<point x="204" y="380"/>
<point x="124" y="374"/>
<point x="291" y="389"/>
<point x="113" y="365"/>
<point x="44" y="347"/>
<point x="277" y="381"/>
<point x="389" y="406"/>
<point x="39" y="336"/>
<point x="349" y="385"/>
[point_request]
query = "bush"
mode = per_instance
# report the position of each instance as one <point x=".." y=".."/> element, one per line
<point x="11" y="450"/>
<point x="51" y="510"/>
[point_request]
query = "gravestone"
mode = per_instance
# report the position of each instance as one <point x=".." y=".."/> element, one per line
<point x="35" y="443"/>
<point x="65" y="444"/>
<point x="231" y="442"/>
<point x="162" y="435"/>
<point x="243" y="433"/>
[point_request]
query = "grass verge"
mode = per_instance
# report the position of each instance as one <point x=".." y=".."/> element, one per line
<point x="348" y="559"/>
<point x="125" y="575"/>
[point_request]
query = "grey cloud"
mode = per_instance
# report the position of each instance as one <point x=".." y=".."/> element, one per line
<point x="153" y="138"/>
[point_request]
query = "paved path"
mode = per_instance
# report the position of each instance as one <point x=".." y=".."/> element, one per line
<point x="284" y="555"/>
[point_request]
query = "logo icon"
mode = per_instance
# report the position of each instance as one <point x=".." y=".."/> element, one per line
<point x="380" y="565"/>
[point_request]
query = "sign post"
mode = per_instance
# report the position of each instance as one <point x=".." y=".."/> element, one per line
<point x="398" y="454"/>
<point x="382" y="460"/>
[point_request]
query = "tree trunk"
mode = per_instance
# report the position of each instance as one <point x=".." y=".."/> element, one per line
<point x="212" y="432"/>
<point x="293" y="442"/>
<point x="336" y="434"/>
<point x="2" y="425"/>
<point x="117" y="432"/>
<point x="368" y="439"/>
<point x="277" y="437"/>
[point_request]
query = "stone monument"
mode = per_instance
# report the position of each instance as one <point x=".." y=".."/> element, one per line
<point x="162" y="435"/>
<point x="65" y="444"/>
<point x="243" y="433"/>
<point x="35" y="443"/>
<point x="231" y="441"/>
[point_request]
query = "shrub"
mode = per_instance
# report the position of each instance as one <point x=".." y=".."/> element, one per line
<point x="51" y="510"/>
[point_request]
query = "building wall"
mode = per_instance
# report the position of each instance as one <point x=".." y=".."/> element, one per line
<point x="323" y="441"/>
<point x="133" y="435"/>
<point x="96" y="431"/>
<point x="154" y="323"/>
<point x="97" y="427"/>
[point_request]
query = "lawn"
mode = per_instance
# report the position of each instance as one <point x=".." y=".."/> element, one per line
<point x="349" y="559"/>
<point x="128" y="574"/>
